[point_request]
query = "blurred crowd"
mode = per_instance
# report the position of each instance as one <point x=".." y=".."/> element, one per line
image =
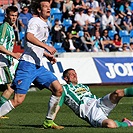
<point x="94" y="25"/>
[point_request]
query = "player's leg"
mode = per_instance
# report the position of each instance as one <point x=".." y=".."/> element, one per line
<point x="118" y="94"/>
<point x="11" y="104"/>
<point x="56" y="89"/>
<point x="47" y="79"/>
<point x="109" y="123"/>
<point x="7" y="78"/>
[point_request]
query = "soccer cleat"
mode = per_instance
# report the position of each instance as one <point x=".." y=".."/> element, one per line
<point x="4" y="117"/>
<point x="50" y="124"/>
<point x="130" y="123"/>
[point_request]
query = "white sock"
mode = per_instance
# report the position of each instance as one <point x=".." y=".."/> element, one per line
<point x="53" y="102"/>
<point x="6" y="108"/>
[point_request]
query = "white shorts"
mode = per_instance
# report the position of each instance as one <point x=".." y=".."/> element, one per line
<point x="98" y="110"/>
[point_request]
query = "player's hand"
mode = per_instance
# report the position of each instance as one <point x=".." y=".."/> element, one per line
<point x="17" y="55"/>
<point x="51" y="58"/>
<point x="51" y="50"/>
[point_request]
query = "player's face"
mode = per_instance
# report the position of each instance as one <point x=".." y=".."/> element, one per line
<point x="45" y="9"/>
<point x="13" y="17"/>
<point x="72" y="77"/>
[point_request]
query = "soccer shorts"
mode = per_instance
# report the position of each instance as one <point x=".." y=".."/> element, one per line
<point x="99" y="110"/>
<point x="28" y="73"/>
<point x="5" y="75"/>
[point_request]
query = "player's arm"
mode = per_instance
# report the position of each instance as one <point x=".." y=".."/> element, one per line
<point x="5" y="51"/>
<point x="31" y="38"/>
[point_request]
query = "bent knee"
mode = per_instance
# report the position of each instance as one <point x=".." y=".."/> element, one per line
<point x="109" y="123"/>
<point x="120" y="93"/>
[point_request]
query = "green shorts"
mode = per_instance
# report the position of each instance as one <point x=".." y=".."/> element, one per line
<point x="5" y="75"/>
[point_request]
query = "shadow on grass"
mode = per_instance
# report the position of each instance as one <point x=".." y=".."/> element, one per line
<point x="37" y="126"/>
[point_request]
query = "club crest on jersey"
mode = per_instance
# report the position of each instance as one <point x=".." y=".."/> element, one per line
<point x="19" y="82"/>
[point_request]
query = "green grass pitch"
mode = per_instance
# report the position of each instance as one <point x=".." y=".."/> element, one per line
<point x="28" y="117"/>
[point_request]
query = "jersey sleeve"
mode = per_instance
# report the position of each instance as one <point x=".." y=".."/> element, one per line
<point x="32" y="27"/>
<point x="3" y="33"/>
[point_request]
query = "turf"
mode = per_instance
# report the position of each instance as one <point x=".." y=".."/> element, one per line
<point x="28" y="117"/>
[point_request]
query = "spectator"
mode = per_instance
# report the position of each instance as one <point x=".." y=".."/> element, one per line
<point x="97" y="27"/>
<point x="127" y="22"/>
<point x="16" y="3"/>
<point x="117" y="42"/>
<point x="97" y="46"/>
<point x="73" y="30"/>
<point x="126" y="47"/>
<point x="107" y="43"/>
<point x="67" y="10"/>
<point x="57" y="4"/>
<point x="118" y="22"/>
<point x="124" y="8"/>
<point x="78" y="4"/>
<point x="102" y="7"/>
<point x="94" y="5"/>
<point x="69" y="44"/>
<point x="57" y="32"/>
<point x="24" y="18"/>
<point x="81" y="18"/>
<point x="90" y="18"/>
<point x="107" y="21"/>
<point x="86" y="40"/>
<point x="131" y="46"/>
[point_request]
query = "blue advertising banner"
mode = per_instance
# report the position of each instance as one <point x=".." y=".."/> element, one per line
<point x="115" y="69"/>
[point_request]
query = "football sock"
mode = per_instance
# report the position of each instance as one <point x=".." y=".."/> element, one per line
<point x="6" y="108"/>
<point x="53" y="102"/>
<point x="121" y="124"/>
<point x="2" y="100"/>
<point x="128" y="92"/>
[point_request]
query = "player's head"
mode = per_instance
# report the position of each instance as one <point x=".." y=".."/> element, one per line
<point x="70" y="76"/>
<point x="41" y="8"/>
<point x="11" y="14"/>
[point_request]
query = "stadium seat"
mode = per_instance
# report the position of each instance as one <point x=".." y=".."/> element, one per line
<point x="56" y="13"/>
<point x="112" y="33"/>
<point x="67" y="23"/>
<point x="125" y="36"/>
<point x="131" y="33"/>
<point x="59" y="48"/>
<point x="21" y="35"/>
<point x="2" y="17"/>
<point x="81" y="33"/>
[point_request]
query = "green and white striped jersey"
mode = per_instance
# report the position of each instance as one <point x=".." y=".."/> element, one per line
<point x="7" y="39"/>
<point x="73" y="96"/>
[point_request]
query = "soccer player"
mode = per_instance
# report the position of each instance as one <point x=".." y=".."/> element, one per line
<point x="30" y="68"/>
<point x="7" y="40"/>
<point x="87" y="106"/>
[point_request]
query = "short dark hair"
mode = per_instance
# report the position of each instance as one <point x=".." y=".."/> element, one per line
<point x="35" y="4"/>
<point x="65" y="73"/>
<point x="11" y="9"/>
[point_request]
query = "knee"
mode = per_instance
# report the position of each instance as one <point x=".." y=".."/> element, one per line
<point x="109" y="123"/>
<point x="59" y="91"/>
<point x="120" y="93"/>
<point x="17" y="100"/>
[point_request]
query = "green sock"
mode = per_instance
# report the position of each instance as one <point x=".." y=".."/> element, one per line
<point x="128" y="92"/>
<point x="2" y="100"/>
<point x="121" y="124"/>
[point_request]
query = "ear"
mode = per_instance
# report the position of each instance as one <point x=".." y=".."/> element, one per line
<point x="38" y="10"/>
<point x="66" y="79"/>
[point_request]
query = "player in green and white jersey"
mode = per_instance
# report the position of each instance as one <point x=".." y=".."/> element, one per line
<point x="7" y="40"/>
<point x="89" y="107"/>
